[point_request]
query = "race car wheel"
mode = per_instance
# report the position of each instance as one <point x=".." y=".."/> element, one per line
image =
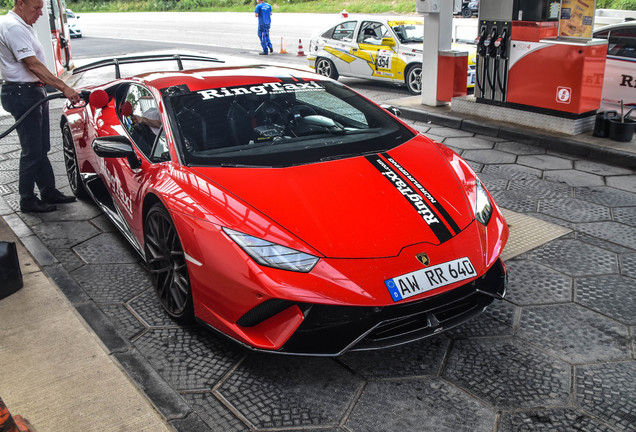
<point x="167" y="263"/>
<point x="413" y="79"/>
<point x="71" y="165"/>
<point x="326" y="68"/>
<point x="467" y="12"/>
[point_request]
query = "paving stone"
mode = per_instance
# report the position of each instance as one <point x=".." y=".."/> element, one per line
<point x="541" y="188"/>
<point x="75" y="211"/>
<point x="489" y="156"/>
<point x="189" y="358"/>
<point x="519" y="148"/>
<point x="607" y="391"/>
<point x="575" y="258"/>
<point x="628" y="265"/>
<point x="574" y="334"/>
<point x="414" y="359"/>
<point x="469" y="143"/>
<point x="627" y="182"/>
<point x="128" y="326"/>
<point x="10" y="165"/>
<point x="606" y="196"/>
<point x="551" y="420"/>
<point x="618" y="233"/>
<point x="284" y="392"/>
<point x="106" y="249"/>
<point x="625" y="215"/>
<point x="508" y="373"/>
<point x="530" y="283"/>
<point x="67" y="257"/>
<point x="112" y="283"/>
<point x="512" y="172"/>
<point x="212" y="411"/>
<point x="64" y="234"/>
<point x="603" y="244"/>
<point x="418" y="405"/>
<point x="611" y="295"/>
<point x="493" y="182"/>
<point x="448" y="132"/>
<point x="149" y="309"/>
<point x="574" y="210"/>
<point x="497" y="320"/>
<point x="574" y="177"/>
<point x="545" y="162"/>
<point x="103" y="223"/>
<point x="517" y="201"/>
<point x="600" y="168"/>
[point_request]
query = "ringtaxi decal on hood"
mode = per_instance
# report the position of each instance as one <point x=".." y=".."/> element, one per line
<point x="261" y="89"/>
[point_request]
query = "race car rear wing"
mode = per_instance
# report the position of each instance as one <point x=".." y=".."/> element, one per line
<point x="179" y="58"/>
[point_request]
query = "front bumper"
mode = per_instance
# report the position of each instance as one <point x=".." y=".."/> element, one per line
<point x="332" y="330"/>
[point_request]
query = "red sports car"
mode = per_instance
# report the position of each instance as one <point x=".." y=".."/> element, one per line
<point x="285" y="210"/>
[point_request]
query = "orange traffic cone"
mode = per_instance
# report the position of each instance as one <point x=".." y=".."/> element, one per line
<point x="282" y="46"/>
<point x="10" y="424"/>
<point x="300" y="48"/>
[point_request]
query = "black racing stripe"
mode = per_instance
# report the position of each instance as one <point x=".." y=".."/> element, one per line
<point x="429" y="196"/>
<point x="416" y="200"/>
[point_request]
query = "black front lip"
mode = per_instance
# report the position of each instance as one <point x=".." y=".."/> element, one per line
<point x="333" y="330"/>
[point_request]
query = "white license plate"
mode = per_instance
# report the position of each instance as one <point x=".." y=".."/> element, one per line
<point x="419" y="281"/>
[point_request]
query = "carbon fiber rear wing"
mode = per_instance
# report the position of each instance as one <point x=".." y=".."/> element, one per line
<point x="179" y="58"/>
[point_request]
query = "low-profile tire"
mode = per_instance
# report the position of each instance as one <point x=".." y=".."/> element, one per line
<point x="71" y="165"/>
<point x="467" y="12"/>
<point x="167" y="263"/>
<point x="413" y="79"/>
<point x="326" y="68"/>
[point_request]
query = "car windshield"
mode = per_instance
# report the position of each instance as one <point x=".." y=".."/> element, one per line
<point x="279" y="124"/>
<point x="408" y="32"/>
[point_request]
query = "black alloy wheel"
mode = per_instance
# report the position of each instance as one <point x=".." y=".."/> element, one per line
<point x="71" y="165"/>
<point x="167" y="263"/>
<point x="325" y="67"/>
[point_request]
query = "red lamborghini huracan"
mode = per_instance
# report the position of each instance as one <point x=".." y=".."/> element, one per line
<point x="285" y="210"/>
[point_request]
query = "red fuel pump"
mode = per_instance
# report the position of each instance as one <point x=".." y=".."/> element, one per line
<point x="523" y="62"/>
<point x="52" y="31"/>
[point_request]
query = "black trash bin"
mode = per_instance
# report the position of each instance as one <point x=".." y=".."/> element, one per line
<point x="621" y="130"/>
<point x="10" y="273"/>
<point x="601" y="124"/>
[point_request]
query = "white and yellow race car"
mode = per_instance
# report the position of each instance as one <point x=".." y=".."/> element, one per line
<point x="376" y="48"/>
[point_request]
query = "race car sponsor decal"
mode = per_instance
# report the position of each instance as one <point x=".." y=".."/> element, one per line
<point x="415" y="199"/>
<point x="261" y="89"/>
<point x="115" y="185"/>
<point x="440" y="209"/>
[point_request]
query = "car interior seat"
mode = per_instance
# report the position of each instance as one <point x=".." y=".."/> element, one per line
<point x="193" y="128"/>
<point x="240" y="123"/>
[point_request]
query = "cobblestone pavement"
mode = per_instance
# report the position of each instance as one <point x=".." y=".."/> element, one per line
<point x="556" y="355"/>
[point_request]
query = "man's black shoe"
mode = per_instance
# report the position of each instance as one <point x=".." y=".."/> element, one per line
<point x="54" y="196"/>
<point x="35" y="205"/>
<point x="263" y="53"/>
<point x="271" y="49"/>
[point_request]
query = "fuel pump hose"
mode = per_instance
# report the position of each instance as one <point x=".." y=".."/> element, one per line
<point x="83" y="94"/>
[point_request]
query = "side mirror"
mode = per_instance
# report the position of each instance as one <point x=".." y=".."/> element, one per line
<point x="387" y="41"/>
<point x="116" y="147"/>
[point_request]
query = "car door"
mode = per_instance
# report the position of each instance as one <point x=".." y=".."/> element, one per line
<point x="620" y="68"/>
<point x="338" y="44"/>
<point x="128" y="178"/>
<point x="373" y="57"/>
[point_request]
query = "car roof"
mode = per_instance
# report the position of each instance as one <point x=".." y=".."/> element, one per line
<point x="625" y="24"/>
<point x="217" y="77"/>
<point x="382" y="19"/>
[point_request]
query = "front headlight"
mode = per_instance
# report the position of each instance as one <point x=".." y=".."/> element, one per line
<point x="273" y="255"/>
<point x="483" y="206"/>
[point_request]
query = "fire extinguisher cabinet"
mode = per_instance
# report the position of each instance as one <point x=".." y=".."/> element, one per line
<point x="452" y="74"/>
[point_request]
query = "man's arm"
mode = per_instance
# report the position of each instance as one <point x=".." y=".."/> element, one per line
<point x="41" y="71"/>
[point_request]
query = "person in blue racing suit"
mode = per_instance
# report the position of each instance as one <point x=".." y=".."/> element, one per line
<point x="263" y="12"/>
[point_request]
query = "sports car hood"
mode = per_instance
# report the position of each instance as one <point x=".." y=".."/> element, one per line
<point x="359" y="207"/>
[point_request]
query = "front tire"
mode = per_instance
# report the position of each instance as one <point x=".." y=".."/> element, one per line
<point x="413" y="79"/>
<point x="325" y="67"/>
<point x="467" y="12"/>
<point x="71" y="164"/>
<point x="167" y="262"/>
